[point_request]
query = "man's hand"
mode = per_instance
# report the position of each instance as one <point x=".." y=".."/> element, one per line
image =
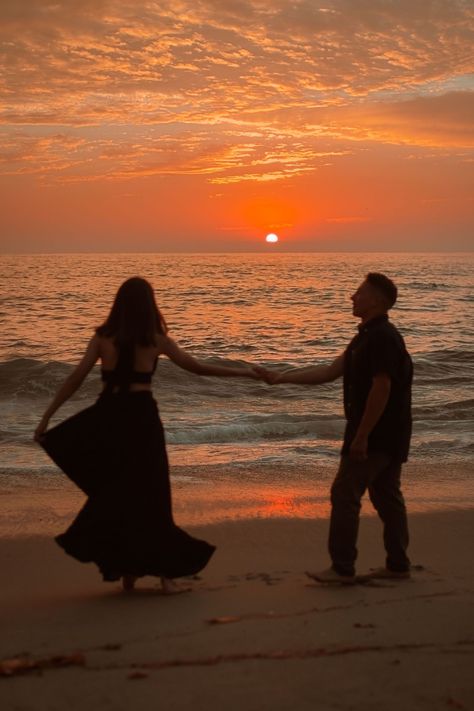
<point x="358" y="448"/>
<point x="374" y="408"/>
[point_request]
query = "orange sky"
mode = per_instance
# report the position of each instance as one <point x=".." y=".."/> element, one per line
<point x="204" y="124"/>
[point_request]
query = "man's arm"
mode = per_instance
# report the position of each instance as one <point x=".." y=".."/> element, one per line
<point x="311" y="375"/>
<point x="374" y="408"/>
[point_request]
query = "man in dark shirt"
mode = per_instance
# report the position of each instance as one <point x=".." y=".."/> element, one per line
<point x="377" y="372"/>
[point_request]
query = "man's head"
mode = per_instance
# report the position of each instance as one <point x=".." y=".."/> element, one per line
<point x="376" y="295"/>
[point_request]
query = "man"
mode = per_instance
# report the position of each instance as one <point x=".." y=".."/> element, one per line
<point x="377" y="372"/>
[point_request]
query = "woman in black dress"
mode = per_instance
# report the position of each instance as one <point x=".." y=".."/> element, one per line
<point x="115" y="450"/>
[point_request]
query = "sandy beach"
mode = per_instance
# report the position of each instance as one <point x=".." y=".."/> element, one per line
<point x="254" y="633"/>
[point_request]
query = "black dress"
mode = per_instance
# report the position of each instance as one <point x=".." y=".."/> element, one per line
<point x="115" y="452"/>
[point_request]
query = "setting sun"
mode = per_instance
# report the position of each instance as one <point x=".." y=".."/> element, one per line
<point x="272" y="238"/>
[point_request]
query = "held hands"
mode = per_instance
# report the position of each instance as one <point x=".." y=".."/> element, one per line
<point x="269" y="376"/>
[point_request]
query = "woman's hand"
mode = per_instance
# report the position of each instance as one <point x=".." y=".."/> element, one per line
<point x="41" y="429"/>
<point x="70" y="385"/>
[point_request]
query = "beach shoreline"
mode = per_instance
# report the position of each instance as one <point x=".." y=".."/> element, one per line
<point x="254" y="633"/>
<point x="32" y="505"/>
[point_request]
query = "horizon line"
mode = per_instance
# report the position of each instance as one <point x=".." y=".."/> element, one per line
<point x="238" y="251"/>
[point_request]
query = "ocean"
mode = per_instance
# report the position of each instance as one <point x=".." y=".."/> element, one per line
<point x="276" y="309"/>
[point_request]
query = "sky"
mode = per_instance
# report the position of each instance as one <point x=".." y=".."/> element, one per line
<point x="202" y="125"/>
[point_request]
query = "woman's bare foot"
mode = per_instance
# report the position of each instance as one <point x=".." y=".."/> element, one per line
<point x="169" y="587"/>
<point x="128" y="582"/>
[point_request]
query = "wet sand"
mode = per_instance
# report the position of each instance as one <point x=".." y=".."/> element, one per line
<point x="38" y="504"/>
<point x="255" y="632"/>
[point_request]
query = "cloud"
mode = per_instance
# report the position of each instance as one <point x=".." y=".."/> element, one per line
<point x="207" y="51"/>
<point x="221" y="157"/>
<point x="440" y="121"/>
<point x="234" y="90"/>
<point x="444" y="120"/>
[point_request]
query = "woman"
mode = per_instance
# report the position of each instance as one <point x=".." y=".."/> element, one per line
<point x="115" y="450"/>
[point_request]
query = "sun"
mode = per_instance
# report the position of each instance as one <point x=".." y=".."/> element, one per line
<point x="271" y="238"/>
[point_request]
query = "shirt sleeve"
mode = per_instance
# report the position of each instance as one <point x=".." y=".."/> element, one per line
<point x="384" y="354"/>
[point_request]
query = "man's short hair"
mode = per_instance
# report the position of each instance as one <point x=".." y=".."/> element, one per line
<point x="385" y="285"/>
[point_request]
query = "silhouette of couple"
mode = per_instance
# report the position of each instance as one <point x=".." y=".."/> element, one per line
<point x="115" y="449"/>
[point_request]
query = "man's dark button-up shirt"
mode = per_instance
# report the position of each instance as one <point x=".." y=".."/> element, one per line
<point x="379" y="348"/>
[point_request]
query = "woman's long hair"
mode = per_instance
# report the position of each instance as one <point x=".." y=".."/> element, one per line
<point x="134" y="319"/>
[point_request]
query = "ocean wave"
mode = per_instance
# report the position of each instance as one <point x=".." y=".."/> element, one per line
<point x="32" y="378"/>
<point x="21" y="436"/>
<point x="21" y="366"/>
<point x="447" y="446"/>
<point x="273" y="429"/>
<point x="221" y="410"/>
<point x="19" y="472"/>
<point x="458" y="411"/>
<point x="446" y="355"/>
<point x="426" y="285"/>
<point x="28" y="377"/>
<point x="444" y="367"/>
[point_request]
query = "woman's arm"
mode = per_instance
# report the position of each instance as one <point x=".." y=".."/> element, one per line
<point x="71" y="384"/>
<point x="187" y="362"/>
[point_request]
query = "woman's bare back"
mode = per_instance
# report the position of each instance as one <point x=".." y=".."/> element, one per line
<point x="145" y="356"/>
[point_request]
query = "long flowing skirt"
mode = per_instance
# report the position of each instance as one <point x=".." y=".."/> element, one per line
<point x="115" y="452"/>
